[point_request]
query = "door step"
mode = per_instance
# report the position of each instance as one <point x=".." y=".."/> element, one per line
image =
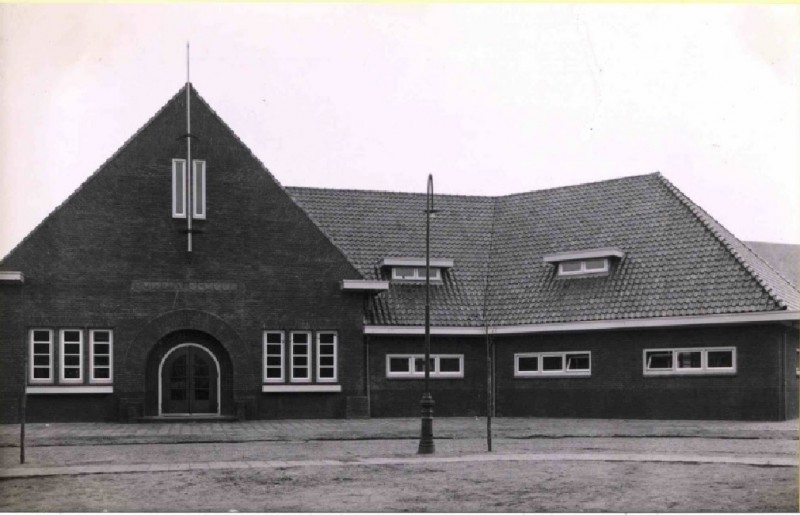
<point x="186" y="418"/>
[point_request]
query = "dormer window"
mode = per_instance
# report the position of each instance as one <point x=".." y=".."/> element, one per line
<point x="413" y="269"/>
<point x="584" y="263"/>
<point x="595" y="266"/>
<point x="415" y="273"/>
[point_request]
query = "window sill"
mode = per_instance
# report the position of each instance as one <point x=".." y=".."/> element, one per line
<point x="422" y="377"/>
<point x="66" y="389"/>
<point x="553" y="375"/>
<point x="689" y="373"/>
<point x="301" y="388"/>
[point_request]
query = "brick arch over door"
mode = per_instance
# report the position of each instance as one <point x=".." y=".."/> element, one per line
<point x="245" y="365"/>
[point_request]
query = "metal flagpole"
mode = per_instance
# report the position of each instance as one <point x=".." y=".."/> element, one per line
<point x="190" y="169"/>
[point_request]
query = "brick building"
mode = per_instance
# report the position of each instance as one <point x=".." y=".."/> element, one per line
<point x="614" y="299"/>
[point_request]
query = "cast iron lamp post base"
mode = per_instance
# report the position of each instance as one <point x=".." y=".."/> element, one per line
<point x="426" y="445"/>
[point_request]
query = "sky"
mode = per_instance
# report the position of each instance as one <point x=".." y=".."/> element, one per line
<point x="491" y="99"/>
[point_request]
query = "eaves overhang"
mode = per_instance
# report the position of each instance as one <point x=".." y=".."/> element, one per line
<point x="12" y="277"/>
<point x="365" y="285"/>
<point x="609" y="324"/>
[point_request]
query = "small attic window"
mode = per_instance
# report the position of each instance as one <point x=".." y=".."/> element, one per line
<point x="413" y="269"/>
<point x="585" y="262"/>
<point x="594" y="266"/>
<point x="415" y="273"/>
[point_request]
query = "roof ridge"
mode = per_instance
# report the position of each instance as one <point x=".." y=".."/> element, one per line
<point x="776" y="271"/>
<point x="279" y="185"/>
<point x="494" y="197"/>
<point x="708" y="222"/>
<point x="95" y="173"/>
<point x="394" y="192"/>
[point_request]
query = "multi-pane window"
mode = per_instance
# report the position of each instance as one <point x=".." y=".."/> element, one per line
<point x="41" y="352"/>
<point x="415" y="273"/>
<point x="689" y="361"/>
<point x="273" y="356"/>
<point x="300" y="357"/>
<point x="592" y="266"/>
<point x="326" y="356"/>
<point x="307" y="356"/>
<point x="574" y="363"/>
<point x="101" y="343"/>
<point x="413" y="366"/>
<point x="71" y="356"/>
<point x="179" y="191"/>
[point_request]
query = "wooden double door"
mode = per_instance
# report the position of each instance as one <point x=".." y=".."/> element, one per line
<point x="189" y="381"/>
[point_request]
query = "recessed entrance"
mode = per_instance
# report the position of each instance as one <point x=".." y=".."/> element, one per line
<point x="189" y="381"/>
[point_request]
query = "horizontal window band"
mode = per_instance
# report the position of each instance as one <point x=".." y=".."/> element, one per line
<point x="69" y="389"/>
<point x="301" y="388"/>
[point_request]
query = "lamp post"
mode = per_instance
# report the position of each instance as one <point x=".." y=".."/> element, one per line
<point x="426" y="445"/>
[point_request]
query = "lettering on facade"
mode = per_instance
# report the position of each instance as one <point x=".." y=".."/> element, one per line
<point x="183" y="286"/>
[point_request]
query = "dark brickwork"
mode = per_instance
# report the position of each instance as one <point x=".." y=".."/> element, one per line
<point x="618" y="388"/>
<point x="113" y="257"/>
<point x="453" y="397"/>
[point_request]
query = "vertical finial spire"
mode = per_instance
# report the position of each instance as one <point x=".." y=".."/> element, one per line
<point x="187" y="63"/>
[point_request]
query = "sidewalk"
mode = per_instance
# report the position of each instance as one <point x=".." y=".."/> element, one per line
<point x="87" y="434"/>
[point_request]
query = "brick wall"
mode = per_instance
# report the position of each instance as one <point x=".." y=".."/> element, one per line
<point x="618" y="388"/>
<point x="392" y="397"/>
<point x="94" y="263"/>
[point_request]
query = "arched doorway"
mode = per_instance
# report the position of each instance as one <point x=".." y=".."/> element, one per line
<point x="189" y="381"/>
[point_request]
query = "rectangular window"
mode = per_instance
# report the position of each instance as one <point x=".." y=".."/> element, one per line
<point x="179" y="188"/>
<point x="71" y="356"/>
<point x="413" y="366"/>
<point x="577" y="363"/>
<point x="41" y="353"/>
<point x="689" y="361"/>
<point x="273" y="356"/>
<point x="415" y="273"/>
<point x="199" y="189"/>
<point x="101" y="344"/>
<point x="326" y="356"/>
<point x="575" y="267"/>
<point x="301" y="357"/>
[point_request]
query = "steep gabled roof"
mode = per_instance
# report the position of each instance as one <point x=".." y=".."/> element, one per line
<point x="679" y="261"/>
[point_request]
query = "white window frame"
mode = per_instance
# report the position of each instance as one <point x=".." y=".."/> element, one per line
<point x="677" y="371"/>
<point x="31" y="355"/>
<point x="92" y="354"/>
<point x="419" y="273"/>
<point x="282" y="366"/>
<point x="563" y="372"/>
<point x="435" y="373"/>
<point x="62" y="363"/>
<point x="175" y="213"/>
<point x="583" y="270"/>
<point x="198" y="170"/>
<point x="300" y="379"/>
<point x="320" y="355"/>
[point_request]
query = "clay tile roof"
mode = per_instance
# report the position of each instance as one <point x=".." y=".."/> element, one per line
<point x="678" y="260"/>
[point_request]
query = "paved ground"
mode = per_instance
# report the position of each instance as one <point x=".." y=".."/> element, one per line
<point x="746" y="465"/>
<point x="41" y="434"/>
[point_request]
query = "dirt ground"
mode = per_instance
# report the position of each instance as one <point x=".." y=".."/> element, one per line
<point x="442" y="487"/>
